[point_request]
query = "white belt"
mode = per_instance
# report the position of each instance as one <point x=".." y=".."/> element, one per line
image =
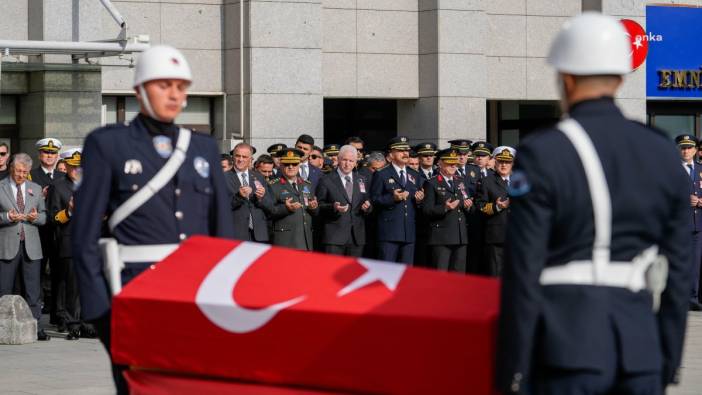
<point x="114" y="255"/>
<point x="647" y="271"/>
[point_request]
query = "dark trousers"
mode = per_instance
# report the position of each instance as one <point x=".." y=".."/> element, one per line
<point x="697" y="254"/>
<point x="421" y="252"/>
<point x="396" y="252"/>
<point x="66" y="293"/>
<point x="449" y="257"/>
<point x="495" y="254"/>
<point x="30" y="271"/>
<point x="102" y="327"/>
<point x="346" y="250"/>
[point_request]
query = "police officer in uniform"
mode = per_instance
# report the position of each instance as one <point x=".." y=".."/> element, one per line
<point x="687" y="144"/>
<point x="294" y="204"/>
<point x="586" y="307"/>
<point x="331" y="151"/>
<point x="186" y="193"/>
<point x="396" y="193"/>
<point x="273" y="151"/>
<point x="476" y="172"/>
<point x="425" y="153"/>
<point x="446" y="206"/>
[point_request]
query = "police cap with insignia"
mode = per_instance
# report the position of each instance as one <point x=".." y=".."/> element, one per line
<point x="481" y="148"/>
<point x="273" y="149"/>
<point x="504" y="153"/>
<point x="425" y="149"/>
<point x="448" y="156"/>
<point x="49" y="145"/>
<point x="399" y="143"/>
<point x="414" y="154"/>
<point x="461" y="145"/>
<point x="72" y="156"/>
<point x="686" y="140"/>
<point x="290" y="156"/>
<point x="331" y="149"/>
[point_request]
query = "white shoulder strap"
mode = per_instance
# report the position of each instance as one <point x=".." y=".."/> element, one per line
<point x="162" y="177"/>
<point x="599" y="192"/>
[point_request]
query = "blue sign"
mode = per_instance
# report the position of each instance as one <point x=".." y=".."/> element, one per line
<point x="674" y="62"/>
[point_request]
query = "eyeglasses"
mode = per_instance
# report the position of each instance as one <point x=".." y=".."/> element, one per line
<point x="289" y="164"/>
<point x="3" y="153"/>
<point x="315" y="156"/>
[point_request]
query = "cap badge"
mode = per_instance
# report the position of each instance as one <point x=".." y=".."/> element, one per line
<point x="290" y="154"/>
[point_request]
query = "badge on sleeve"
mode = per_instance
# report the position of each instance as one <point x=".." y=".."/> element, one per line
<point x="202" y="167"/>
<point x="519" y="184"/>
<point x="163" y="146"/>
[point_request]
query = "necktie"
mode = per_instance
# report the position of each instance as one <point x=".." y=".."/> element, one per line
<point x="403" y="180"/>
<point x="692" y="173"/>
<point x="303" y="171"/>
<point x="448" y="182"/>
<point x="460" y="170"/>
<point x="349" y="187"/>
<point x="20" y="206"/>
<point x="429" y="174"/>
<point x="245" y="182"/>
<point x="51" y="175"/>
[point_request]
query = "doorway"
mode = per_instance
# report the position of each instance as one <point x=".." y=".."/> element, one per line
<point x="373" y="120"/>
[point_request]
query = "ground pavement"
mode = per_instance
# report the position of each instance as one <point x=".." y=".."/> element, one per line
<point x="81" y="367"/>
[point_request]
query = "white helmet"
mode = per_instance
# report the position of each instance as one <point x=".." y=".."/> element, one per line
<point x="156" y="63"/>
<point x="161" y="62"/>
<point x="591" y="44"/>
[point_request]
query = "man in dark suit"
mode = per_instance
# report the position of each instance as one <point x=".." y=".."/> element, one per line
<point x="44" y="175"/>
<point x="305" y="143"/>
<point x="396" y="194"/>
<point x="687" y="144"/>
<point x="596" y="281"/>
<point x="60" y="208"/>
<point x="446" y="206"/>
<point x="294" y="204"/>
<point x="494" y="203"/>
<point x="22" y="212"/>
<point x="344" y="202"/>
<point x="249" y="192"/>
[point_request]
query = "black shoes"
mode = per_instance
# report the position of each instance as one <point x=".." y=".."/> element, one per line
<point x="695" y="306"/>
<point x="73" y="334"/>
<point x="88" y="331"/>
<point x="42" y="336"/>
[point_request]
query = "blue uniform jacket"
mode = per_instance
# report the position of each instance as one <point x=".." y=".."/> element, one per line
<point x="583" y="326"/>
<point x="117" y="161"/>
<point x="396" y="220"/>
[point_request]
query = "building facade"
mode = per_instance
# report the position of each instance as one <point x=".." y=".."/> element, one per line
<point x="433" y="70"/>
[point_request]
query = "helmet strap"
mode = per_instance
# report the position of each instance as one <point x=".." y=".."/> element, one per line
<point x="145" y="101"/>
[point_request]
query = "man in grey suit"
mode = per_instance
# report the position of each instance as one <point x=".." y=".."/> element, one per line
<point x="22" y="211"/>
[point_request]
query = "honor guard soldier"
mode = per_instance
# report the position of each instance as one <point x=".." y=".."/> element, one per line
<point x="586" y="306"/>
<point x="331" y="151"/>
<point x="294" y="204"/>
<point x="494" y="203"/>
<point x="396" y="193"/>
<point x="156" y="183"/>
<point x="446" y="206"/>
<point x="44" y="175"/>
<point x="688" y="146"/>
<point x="344" y="203"/>
<point x="60" y="211"/>
<point x="461" y="146"/>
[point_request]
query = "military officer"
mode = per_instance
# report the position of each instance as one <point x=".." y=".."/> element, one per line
<point x="446" y="206"/>
<point x="331" y="151"/>
<point x="294" y="204"/>
<point x="60" y="210"/>
<point x="476" y="172"/>
<point x="396" y="194"/>
<point x="273" y="152"/>
<point x="698" y="157"/>
<point x="175" y="175"/>
<point x="586" y="306"/>
<point x="427" y="152"/>
<point x="687" y="144"/>
<point x="413" y="162"/>
<point x="494" y="203"/>
<point x="44" y="175"/>
<point x="462" y="146"/>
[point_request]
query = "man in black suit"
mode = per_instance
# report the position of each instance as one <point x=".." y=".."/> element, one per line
<point x="249" y="196"/>
<point x="447" y="203"/>
<point x="305" y="143"/>
<point x="494" y="203"/>
<point x="44" y="175"/>
<point x="344" y="201"/>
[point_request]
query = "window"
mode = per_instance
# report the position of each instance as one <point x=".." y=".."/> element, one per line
<point x="197" y="115"/>
<point x="511" y="120"/>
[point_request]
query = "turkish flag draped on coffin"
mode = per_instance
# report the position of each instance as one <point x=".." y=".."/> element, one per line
<point x="245" y="311"/>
